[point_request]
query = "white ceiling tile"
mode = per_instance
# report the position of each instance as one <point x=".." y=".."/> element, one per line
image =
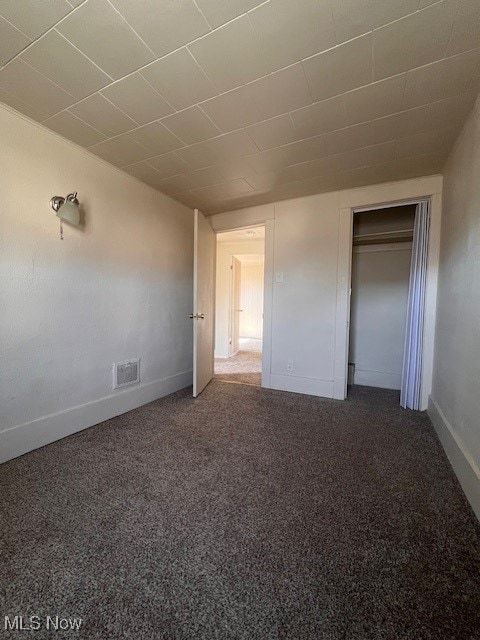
<point x="217" y="12"/>
<point x="69" y="126"/>
<point x="236" y="168"/>
<point x="371" y="155"/>
<point x="12" y="41"/>
<point x="60" y="61"/>
<point x="400" y="125"/>
<point x="353" y="18"/>
<point x="306" y="187"/>
<point x="341" y="69"/>
<point x="164" y="25"/>
<point x="144" y="172"/>
<point x="321" y="117"/>
<point x="179" y="79"/>
<point x="273" y="133"/>
<point x="449" y="112"/>
<point x="138" y="99"/>
<point x="23" y="107"/>
<point x="99" y="113"/>
<point x="156" y="138"/>
<point x="231" y="55"/>
<point x="328" y="144"/>
<point x="280" y="92"/>
<point x="466" y="30"/>
<point x="206" y="177"/>
<point x="237" y="188"/>
<point x="191" y="125"/>
<point x="438" y="141"/>
<point x="439" y="80"/>
<point x="413" y="41"/>
<point x="365" y="176"/>
<point x="34" y="17"/>
<point x="211" y="194"/>
<point x="290" y="31"/>
<point x="376" y="100"/>
<point x="120" y="151"/>
<point x="168" y="164"/>
<point x="233" y="110"/>
<point x="174" y="184"/>
<point x="264" y="182"/>
<point x="274" y="159"/>
<point x="189" y="199"/>
<point x="217" y="150"/>
<point x="360" y="135"/>
<point x="313" y="169"/>
<point x="26" y="84"/>
<point x="106" y="38"/>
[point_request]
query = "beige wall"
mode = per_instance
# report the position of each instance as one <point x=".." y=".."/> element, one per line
<point x="456" y="383"/>
<point x="380" y="279"/>
<point x="251" y="318"/>
<point x="117" y="287"/>
<point x="307" y="264"/>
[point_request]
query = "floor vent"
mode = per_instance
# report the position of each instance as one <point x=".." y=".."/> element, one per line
<point x="126" y="373"/>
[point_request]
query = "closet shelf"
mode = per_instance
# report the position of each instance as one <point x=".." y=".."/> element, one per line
<point x="400" y="235"/>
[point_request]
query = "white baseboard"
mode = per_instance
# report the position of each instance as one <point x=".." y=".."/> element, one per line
<point x="377" y="379"/>
<point x="296" y="384"/>
<point x="465" y="468"/>
<point x="37" y="433"/>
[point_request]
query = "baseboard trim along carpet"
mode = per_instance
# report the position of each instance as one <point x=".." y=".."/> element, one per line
<point x="465" y="469"/>
<point x="297" y="384"/>
<point x="26" y="437"/>
<point x="379" y="379"/>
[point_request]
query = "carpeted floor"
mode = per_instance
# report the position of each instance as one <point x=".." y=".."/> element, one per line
<point x="244" y="514"/>
<point x="244" y="367"/>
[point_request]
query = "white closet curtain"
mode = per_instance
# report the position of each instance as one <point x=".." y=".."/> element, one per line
<point x="410" y="395"/>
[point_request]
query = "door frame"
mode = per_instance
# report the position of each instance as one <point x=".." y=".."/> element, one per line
<point x="269" y="226"/>
<point x="344" y="280"/>
<point x="231" y="294"/>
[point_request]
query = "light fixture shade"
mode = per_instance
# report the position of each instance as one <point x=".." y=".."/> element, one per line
<point x="69" y="211"/>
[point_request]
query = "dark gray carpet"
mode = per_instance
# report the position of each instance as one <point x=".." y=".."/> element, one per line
<point x="247" y="514"/>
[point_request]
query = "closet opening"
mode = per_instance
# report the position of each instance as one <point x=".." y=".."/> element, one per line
<point x="388" y="281"/>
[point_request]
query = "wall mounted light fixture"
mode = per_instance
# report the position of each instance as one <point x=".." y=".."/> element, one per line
<point x="67" y="208"/>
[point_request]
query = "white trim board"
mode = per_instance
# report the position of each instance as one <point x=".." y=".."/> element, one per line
<point x="297" y="384"/>
<point x="26" y="437"/>
<point x="380" y="379"/>
<point x="464" y="467"/>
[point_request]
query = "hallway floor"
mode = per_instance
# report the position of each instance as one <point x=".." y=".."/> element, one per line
<point x="245" y="366"/>
<point x="244" y="514"/>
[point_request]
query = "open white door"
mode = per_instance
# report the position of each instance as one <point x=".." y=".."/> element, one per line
<point x="203" y="302"/>
<point x="235" y="301"/>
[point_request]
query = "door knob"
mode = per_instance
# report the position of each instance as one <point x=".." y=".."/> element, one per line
<point x="192" y="316"/>
<point x="200" y="316"/>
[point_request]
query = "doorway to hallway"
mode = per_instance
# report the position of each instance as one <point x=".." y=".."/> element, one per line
<point x="239" y="306"/>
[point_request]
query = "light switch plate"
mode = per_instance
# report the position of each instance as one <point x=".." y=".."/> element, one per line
<point x="279" y="277"/>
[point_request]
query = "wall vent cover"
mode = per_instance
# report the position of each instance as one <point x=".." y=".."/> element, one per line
<point x="126" y="373"/>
